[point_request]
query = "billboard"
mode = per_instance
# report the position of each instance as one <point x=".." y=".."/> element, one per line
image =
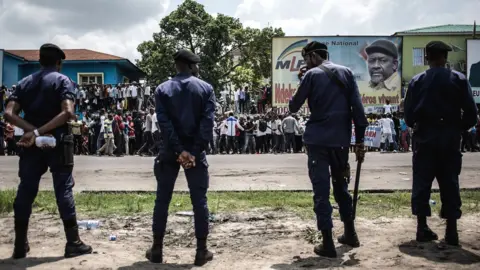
<point x="378" y="74"/>
<point x="473" y="67"/>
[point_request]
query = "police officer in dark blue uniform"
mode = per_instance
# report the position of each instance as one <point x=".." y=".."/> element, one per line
<point x="185" y="107"/>
<point x="333" y="100"/>
<point x="434" y="104"/>
<point x="47" y="100"/>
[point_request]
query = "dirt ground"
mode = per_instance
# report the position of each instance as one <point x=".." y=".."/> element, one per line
<point x="254" y="240"/>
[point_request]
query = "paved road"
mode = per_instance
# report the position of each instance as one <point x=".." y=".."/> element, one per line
<point x="236" y="172"/>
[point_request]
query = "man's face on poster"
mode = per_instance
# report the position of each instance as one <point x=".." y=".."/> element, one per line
<point x="381" y="67"/>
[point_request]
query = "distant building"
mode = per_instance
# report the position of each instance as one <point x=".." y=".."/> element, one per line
<point x="415" y="40"/>
<point x="81" y="65"/>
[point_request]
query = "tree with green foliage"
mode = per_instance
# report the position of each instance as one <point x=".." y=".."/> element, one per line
<point x="214" y="39"/>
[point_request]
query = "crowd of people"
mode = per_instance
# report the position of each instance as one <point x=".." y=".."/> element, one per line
<point x="118" y="120"/>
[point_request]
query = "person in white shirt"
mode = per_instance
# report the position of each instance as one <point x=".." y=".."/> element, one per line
<point x="222" y="146"/>
<point x="133" y="90"/>
<point x="387" y="108"/>
<point x="387" y="138"/>
<point x="156" y="135"/>
<point x="268" y="135"/>
<point x="277" y="135"/>
<point x="235" y="98"/>
<point x="232" y="125"/>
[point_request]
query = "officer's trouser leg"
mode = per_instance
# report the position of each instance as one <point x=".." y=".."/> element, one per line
<point x="198" y="180"/>
<point x="340" y="184"/>
<point x="423" y="166"/>
<point x="63" y="183"/>
<point x="166" y="172"/>
<point x="318" y="171"/>
<point x="448" y="170"/>
<point x="32" y="165"/>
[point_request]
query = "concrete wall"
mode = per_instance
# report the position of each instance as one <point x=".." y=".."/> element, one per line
<point x="410" y="42"/>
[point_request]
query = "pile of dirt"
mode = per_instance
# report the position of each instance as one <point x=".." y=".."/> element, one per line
<point x="254" y="240"/>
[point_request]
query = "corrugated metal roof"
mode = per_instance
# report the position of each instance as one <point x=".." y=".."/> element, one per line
<point x="447" y="28"/>
<point x="70" y="54"/>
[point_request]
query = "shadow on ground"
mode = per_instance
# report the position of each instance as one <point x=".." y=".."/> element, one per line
<point x="28" y="262"/>
<point x="148" y="265"/>
<point x="344" y="258"/>
<point x="439" y="253"/>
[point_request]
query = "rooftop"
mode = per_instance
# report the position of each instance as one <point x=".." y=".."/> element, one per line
<point x="70" y="55"/>
<point x="442" y="29"/>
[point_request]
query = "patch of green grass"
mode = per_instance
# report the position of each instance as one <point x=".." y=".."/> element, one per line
<point x="106" y="204"/>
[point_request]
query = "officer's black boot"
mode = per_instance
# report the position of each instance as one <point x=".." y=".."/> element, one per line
<point x="74" y="247"/>
<point x="350" y="235"/>
<point x="155" y="253"/>
<point x="203" y="255"/>
<point x="451" y="234"/>
<point x="21" y="247"/>
<point x="327" y="248"/>
<point x="424" y="233"/>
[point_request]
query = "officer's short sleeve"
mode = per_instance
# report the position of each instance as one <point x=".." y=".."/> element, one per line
<point x="66" y="88"/>
<point x="17" y="95"/>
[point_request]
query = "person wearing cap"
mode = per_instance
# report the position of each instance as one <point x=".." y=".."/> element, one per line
<point x="185" y="107"/>
<point x="382" y="62"/>
<point x="433" y="108"/>
<point x="334" y="100"/>
<point x="47" y="100"/>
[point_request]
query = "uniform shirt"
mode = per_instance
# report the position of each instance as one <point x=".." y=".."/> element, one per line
<point x="147" y="91"/>
<point x="278" y="127"/>
<point x="434" y="103"/>
<point x="40" y="96"/>
<point x="331" y="114"/>
<point x="185" y="107"/>
<point x="133" y="91"/>
<point x="76" y="127"/>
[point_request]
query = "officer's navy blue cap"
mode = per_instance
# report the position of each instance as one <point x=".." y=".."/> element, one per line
<point x="313" y="46"/>
<point x="438" y="46"/>
<point x="383" y="46"/>
<point x="186" y="56"/>
<point x="52" y="47"/>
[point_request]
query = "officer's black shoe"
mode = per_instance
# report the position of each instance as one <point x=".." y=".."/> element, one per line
<point x="451" y="233"/>
<point x="350" y="236"/>
<point x="21" y="247"/>
<point x="327" y="248"/>
<point x="155" y="253"/>
<point x="202" y="257"/>
<point x="74" y="247"/>
<point x="425" y="234"/>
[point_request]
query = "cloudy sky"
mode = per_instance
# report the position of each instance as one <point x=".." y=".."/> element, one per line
<point x="118" y="26"/>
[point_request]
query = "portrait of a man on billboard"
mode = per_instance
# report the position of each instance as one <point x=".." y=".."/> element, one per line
<point x="382" y="62"/>
<point x="474" y="77"/>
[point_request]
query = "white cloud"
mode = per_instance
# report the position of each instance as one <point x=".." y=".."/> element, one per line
<point x="355" y="17"/>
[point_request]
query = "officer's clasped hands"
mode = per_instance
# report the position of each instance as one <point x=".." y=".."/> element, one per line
<point x="27" y="140"/>
<point x="186" y="159"/>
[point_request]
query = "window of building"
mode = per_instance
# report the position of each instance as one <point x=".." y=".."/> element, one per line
<point x="90" y="78"/>
<point x="419" y="57"/>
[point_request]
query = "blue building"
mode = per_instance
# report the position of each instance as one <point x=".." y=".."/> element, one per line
<point x="81" y="65"/>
